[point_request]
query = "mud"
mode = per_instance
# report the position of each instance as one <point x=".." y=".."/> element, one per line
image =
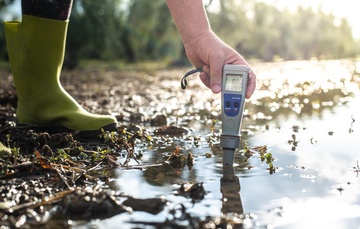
<point x="55" y="178"/>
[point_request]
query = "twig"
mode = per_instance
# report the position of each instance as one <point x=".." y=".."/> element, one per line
<point x="141" y="166"/>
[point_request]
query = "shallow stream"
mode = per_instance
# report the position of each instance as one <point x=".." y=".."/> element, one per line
<point x="306" y="113"/>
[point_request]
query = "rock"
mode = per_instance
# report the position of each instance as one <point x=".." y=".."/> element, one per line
<point x="171" y="130"/>
<point x="159" y="120"/>
<point x="85" y="205"/>
<point x="133" y="128"/>
<point x="137" y="117"/>
<point x="151" y="205"/>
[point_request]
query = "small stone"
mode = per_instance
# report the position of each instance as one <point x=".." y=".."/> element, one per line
<point x="159" y="120"/>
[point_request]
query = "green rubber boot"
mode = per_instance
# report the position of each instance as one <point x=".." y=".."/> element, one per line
<point x="36" y="48"/>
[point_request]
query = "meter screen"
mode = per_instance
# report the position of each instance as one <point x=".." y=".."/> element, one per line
<point x="233" y="82"/>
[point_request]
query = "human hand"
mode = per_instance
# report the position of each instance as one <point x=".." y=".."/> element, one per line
<point x="211" y="53"/>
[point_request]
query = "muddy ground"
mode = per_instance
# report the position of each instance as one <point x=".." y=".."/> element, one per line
<point x="55" y="178"/>
<point x="51" y="176"/>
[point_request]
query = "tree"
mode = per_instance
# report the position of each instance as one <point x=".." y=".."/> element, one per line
<point x="152" y="32"/>
<point x="140" y="30"/>
<point x="3" y="11"/>
<point x="95" y="30"/>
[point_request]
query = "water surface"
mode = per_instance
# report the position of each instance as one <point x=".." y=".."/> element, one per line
<point x="306" y="113"/>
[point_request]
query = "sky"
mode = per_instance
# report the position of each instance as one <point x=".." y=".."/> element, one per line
<point x="348" y="9"/>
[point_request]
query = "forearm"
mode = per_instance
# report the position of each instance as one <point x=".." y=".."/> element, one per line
<point x="190" y="18"/>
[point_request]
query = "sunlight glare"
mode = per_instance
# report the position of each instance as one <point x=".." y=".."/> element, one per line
<point x="316" y="213"/>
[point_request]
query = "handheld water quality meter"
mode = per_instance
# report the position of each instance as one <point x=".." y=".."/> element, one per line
<point x="234" y="83"/>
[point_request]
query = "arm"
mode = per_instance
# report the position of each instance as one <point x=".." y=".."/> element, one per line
<point x="203" y="47"/>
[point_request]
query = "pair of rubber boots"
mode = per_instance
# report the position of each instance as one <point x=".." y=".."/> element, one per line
<point x="36" y="48"/>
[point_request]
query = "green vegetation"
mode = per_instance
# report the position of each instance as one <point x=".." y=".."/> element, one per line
<point x="140" y="30"/>
<point x="265" y="156"/>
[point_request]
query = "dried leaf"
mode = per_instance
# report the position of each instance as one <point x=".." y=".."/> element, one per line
<point x="43" y="161"/>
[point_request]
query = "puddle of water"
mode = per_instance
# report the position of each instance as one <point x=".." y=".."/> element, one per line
<point x="308" y="116"/>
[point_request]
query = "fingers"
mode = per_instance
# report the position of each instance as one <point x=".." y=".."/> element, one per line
<point x="212" y="78"/>
<point x="205" y="79"/>
<point x="204" y="76"/>
<point x="251" y="84"/>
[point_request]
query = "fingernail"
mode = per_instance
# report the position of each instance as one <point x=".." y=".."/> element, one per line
<point x="216" y="88"/>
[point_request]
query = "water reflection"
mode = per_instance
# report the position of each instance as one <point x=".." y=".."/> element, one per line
<point x="230" y="189"/>
<point x="308" y="116"/>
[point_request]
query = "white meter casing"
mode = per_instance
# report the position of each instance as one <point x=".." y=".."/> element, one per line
<point x="234" y="84"/>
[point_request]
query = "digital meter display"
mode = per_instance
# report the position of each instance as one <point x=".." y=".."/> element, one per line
<point x="233" y="82"/>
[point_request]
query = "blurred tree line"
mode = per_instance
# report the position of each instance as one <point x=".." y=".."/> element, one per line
<point x="140" y="30"/>
<point x="259" y="30"/>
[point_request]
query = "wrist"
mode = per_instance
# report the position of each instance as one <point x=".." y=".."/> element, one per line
<point x="195" y="38"/>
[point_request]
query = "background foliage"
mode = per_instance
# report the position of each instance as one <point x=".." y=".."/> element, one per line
<point x="140" y="30"/>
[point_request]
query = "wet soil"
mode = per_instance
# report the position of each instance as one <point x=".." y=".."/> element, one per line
<point x="51" y="176"/>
